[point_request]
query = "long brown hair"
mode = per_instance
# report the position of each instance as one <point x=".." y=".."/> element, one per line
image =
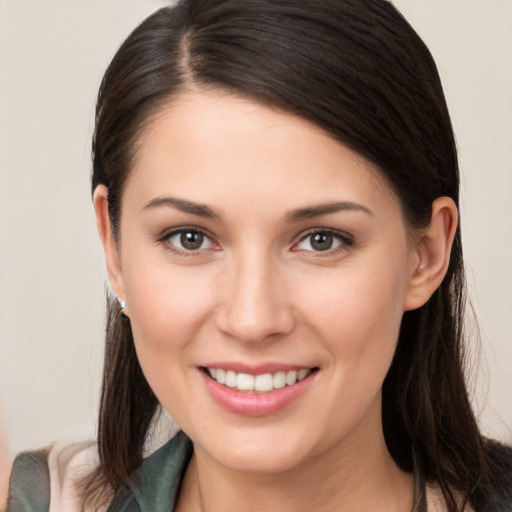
<point x="357" y="69"/>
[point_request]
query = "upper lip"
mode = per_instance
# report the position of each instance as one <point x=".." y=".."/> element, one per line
<point x="257" y="369"/>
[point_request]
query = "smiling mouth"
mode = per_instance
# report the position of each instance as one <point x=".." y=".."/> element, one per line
<point x="263" y="383"/>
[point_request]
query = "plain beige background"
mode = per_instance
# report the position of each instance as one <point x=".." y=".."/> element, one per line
<point x="52" y="277"/>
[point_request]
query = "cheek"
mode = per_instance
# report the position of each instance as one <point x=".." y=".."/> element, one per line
<point x="168" y="306"/>
<point x="168" y="309"/>
<point x="359" y="312"/>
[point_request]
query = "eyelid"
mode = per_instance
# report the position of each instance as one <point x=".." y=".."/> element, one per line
<point x="346" y="240"/>
<point x="165" y="236"/>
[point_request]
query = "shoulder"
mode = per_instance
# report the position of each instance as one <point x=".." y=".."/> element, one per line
<point x="155" y="484"/>
<point x="500" y="455"/>
<point x="435" y="500"/>
<point x="29" y="486"/>
<point x="500" y="461"/>
<point x="68" y="465"/>
<point x="47" y="480"/>
<point x="496" y="494"/>
<point x="498" y="498"/>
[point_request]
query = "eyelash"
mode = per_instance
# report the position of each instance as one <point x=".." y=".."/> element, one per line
<point x="166" y="239"/>
<point x="344" y="241"/>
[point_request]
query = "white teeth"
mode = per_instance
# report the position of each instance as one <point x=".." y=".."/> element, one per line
<point x="291" y="378"/>
<point x="245" y="382"/>
<point x="302" y="374"/>
<point x="279" y="380"/>
<point x="220" y="376"/>
<point x="264" y="382"/>
<point x="230" y="379"/>
<point x="260" y="383"/>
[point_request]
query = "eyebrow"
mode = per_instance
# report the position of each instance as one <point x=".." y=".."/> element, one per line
<point x="324" y="209"/>
<point x="201" y="210"/>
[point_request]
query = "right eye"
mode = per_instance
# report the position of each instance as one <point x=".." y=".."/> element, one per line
<point x="324" y="242"/>
<point x="188" y="240"/>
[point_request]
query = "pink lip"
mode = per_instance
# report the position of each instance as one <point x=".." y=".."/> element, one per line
<point x="252" y="403"/>
<point x="259" y="369"/>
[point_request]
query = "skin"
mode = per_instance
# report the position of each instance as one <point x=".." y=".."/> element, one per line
<point x="257" y="291"/>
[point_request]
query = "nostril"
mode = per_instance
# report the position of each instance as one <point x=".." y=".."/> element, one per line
<point x="255" y="325"/>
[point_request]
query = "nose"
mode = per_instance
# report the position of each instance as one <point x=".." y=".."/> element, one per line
<point x="255" y="306"/>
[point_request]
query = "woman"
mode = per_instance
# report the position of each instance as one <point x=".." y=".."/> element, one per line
<point x="276" y="190"/>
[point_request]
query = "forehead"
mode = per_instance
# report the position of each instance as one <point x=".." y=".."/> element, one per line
<point x="204" y="142"/>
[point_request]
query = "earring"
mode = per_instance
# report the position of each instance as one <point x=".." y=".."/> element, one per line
<point x="122" y="305"/>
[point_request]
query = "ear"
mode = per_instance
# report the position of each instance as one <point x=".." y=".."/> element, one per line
<point x="110" y="246"/>
<point x="431" y="253"/>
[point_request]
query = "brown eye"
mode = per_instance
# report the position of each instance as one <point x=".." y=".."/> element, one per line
<point x="189" y="240"/>
<point x="323" y="241"/>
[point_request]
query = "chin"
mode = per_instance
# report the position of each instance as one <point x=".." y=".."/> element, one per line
<point x="264" y="448"/>
<point x="257" y="459"/>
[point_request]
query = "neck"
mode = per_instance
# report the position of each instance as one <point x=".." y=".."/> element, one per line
<point x="356" y="475"/>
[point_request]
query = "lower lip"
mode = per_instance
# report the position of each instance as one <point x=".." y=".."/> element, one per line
<point x="256" y="404"/>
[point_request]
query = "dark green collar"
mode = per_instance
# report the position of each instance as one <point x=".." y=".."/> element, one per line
<point x="156" y="483"/>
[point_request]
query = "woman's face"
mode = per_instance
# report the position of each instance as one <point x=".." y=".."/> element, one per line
<point x="255" y="248"/>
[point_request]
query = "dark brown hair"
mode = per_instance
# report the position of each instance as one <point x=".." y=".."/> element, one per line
<point x="359" y="71"/>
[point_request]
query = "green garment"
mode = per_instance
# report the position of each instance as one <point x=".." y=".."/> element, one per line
<point x="156" y="483"/>
<point x="29" y="489"/>
<point x="154" y="487"/>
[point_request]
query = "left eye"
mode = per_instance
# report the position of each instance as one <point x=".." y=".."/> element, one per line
<point x="189" y="240"/>
<point x="320" y="241"/>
